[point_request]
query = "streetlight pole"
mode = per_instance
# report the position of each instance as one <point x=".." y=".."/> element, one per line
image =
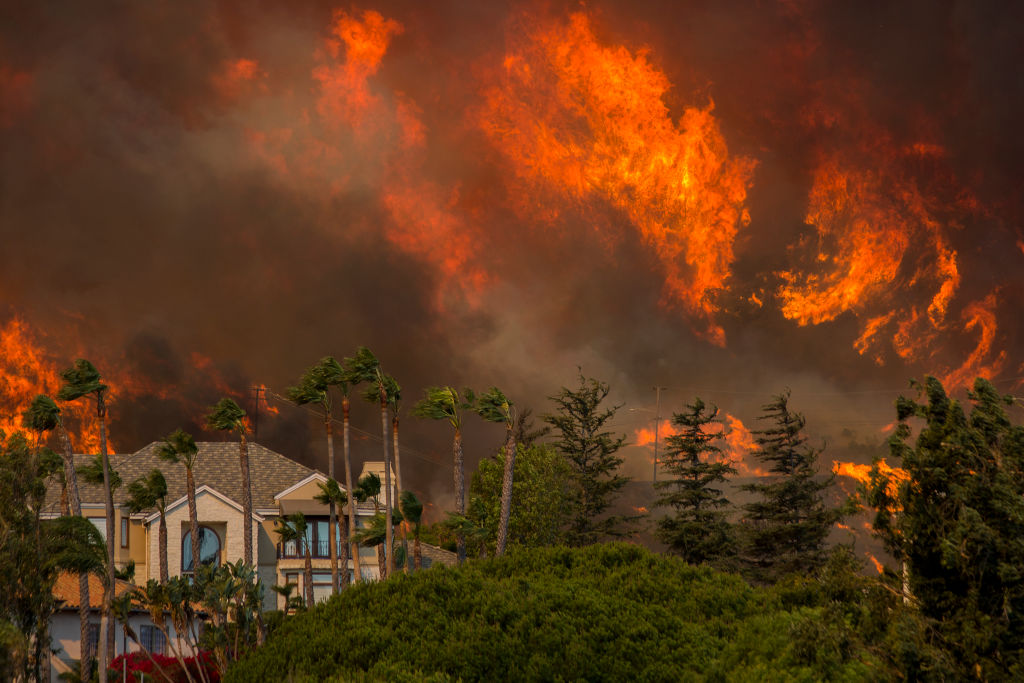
<point x="657" y="422"/>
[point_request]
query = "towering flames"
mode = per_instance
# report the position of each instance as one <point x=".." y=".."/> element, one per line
<point x="581" y="118"/>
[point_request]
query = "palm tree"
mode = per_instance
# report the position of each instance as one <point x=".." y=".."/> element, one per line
<point x="180" y="447"/>
<point x="412" y="511"/>
<point x="345" y="384"/>
<point x="493" y="406"/>
<point x="43" y="415"/>
<point x="285" y="592"/>
<point x="364" y="367"/>
<point x="314" y="387"/>
<point x="145" y="493"/>
<point x="393" y="396"/>
<point x="228" y="416"/>
<point x="331" y="494"/>
<point x="375" y="534"/>
<point x="83" y="380"/>
<point x="445" y="403"/>
<point x="368" y="488"/>
<point x="293" y="528"/>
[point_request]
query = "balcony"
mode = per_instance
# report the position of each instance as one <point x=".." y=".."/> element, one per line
<point x="292" y="550"/>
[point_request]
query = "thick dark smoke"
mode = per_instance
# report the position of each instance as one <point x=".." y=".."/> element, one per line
<point x="160" y="198"/>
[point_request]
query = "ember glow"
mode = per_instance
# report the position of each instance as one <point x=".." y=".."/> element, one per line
<point x="733" y="196"/>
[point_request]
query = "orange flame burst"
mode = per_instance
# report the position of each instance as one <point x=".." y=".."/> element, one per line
<point x="739" y="442"/>
<point x="27" y="370"/>
<point x="862" y="473"/>
<point x="589" y="121"/>
<point x="877" y="564"/>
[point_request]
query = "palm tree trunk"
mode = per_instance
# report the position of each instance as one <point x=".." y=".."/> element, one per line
<point x="106" y="632"/>
<point x="308" y="578"/>
<point x="243" y="460"/>
<point x="356" y="571"/>
<point x="388" y="504"/>
<point x="398" y="483"/>
<point x="193" y="517"/>
<point x="342" y="533"/>
<point x="75" y="503"/>
<point x="506" y="489"/>
<point x="381" y="561"/>
<point x="417" y="555"/>
<point x="162" y="539"/>
<point x="460" y="492"/>
<point x="333" y="524"/>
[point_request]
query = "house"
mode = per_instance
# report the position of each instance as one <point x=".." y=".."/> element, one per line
<point x="280" y="486"/>
<point x="65" y="626"/>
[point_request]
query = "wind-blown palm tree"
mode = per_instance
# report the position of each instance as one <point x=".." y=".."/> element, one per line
<point x="494" y="406"/>
<point x="314" y="388"/>
<point x="332" y="495"/>
<point x="180" y="447"/>
<point x="375" y="534"/>
<point x="293" y="528"/>
<point x="445" y="403"/>
<point x="83" y="380"/>
<point x="228" y="416"/>
<point x="345" y="384"/>
<point x="148" y="492"/>
<point x="368" y="488"/>
<point x="364" y="367"/>
<point x="43" y="415"/>
<point x="412" y="512"/>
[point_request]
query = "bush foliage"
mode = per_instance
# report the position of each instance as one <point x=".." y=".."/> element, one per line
<point x="606" y="612"/>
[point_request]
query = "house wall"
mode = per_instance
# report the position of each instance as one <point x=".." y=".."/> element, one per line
<point x="211" y="511"/>
<point x="65" y="632"/>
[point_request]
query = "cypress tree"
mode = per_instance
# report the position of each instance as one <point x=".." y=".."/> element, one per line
<point x="955" y="521"/>
<point x="785" y="527"/>
<point x="591" y="453"/>
<point x="698" y="530"/>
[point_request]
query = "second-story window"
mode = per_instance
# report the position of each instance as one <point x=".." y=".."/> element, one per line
<point x="124" y="532"/>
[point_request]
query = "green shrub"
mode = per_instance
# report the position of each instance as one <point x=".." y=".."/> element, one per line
<point x="606" y="612"/>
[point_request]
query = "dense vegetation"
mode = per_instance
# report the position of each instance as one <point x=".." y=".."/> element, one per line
<point x="605" y="612"/>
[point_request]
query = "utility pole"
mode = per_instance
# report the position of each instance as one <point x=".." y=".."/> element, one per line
<point x="657" y="422"/>
<point x="256" y="413"/>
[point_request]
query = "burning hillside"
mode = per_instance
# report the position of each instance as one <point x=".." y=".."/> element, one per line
<point x="741" y="197"/>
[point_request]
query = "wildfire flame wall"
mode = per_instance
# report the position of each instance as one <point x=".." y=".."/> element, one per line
<point x="725" y="197"/>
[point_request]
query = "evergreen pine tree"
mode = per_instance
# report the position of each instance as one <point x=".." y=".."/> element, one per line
<point x="785" y="527"/>
<point x="590" y="451"/>
<point x="698" y="529"/>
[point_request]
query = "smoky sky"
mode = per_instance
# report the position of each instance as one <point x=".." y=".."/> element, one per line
<point x="140" y="228"/>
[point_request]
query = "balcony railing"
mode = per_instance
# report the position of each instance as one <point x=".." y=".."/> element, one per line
<point x="294" y="550"/>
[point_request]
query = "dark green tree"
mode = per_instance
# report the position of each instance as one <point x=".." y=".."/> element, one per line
<point x="698" y="529"/>
<point x="412" y="512"/>
<point x="955" y="518"/>
<point x="590" y="449"/>
<point x="541" y="489"/>
<point x="785" y="526"/>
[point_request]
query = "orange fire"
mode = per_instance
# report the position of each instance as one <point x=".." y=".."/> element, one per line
<point x="27" y="370"/>
<point x="589" y="121"/>
<point x="739" y="443"/>
<point x="879" y="567"/>
<point x="862" y="473"/>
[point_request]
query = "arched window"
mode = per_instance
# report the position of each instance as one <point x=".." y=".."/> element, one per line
<point x="209" y="548"/>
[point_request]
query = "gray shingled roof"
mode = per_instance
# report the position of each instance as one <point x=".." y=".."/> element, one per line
<point x="217" y="467"/>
